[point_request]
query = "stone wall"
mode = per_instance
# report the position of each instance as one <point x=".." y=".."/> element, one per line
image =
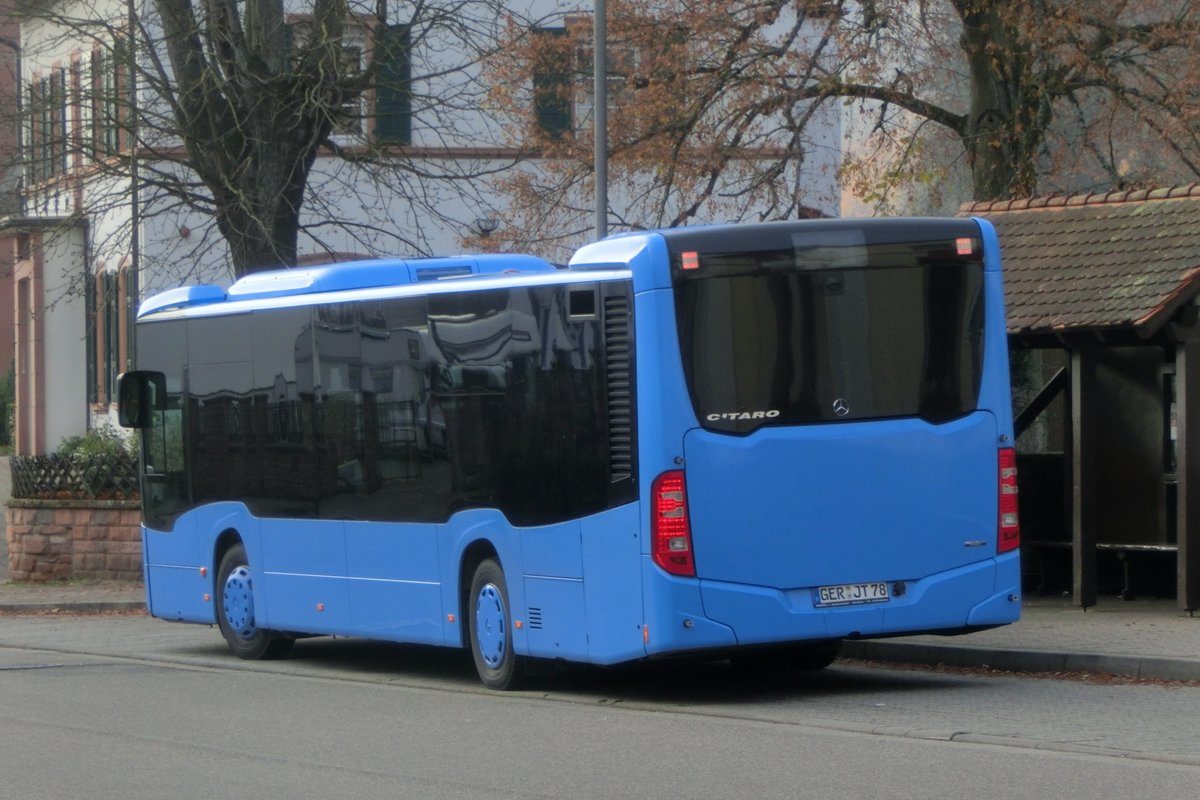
<point x="61" y="539"/>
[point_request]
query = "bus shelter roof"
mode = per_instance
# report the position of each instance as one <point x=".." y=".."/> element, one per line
<point x="1097" y="262"/>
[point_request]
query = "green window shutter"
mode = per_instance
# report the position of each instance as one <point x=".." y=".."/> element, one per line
<point x="61" y="133"/>
<point x="288" y="42"/>
<point x="393" y="85"/>
<point x="551" y="85"/>
<point x="92" y="305"/>
<point x="34" y="140"/>
<point x="116" y="111"/>
<point x="112" y="334"/>
<point x="46" y="123"/>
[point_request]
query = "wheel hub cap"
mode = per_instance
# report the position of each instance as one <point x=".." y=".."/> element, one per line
<point x="238" y="601"/>
<point x="490" y="633"/>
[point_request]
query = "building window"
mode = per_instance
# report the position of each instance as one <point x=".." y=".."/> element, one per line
<point x="349" y="118"/>
<point x="621" y="77"/>
<point x="552" y="85"/>
<point x="563" y="72"/>
<point x="47" y="152"/>
<point x="107" y="86"/>
<point x="108" y="328"/>
<point x="392" y="94"/>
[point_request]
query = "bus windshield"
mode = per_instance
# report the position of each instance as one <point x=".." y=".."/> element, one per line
<point x="831" y="331"/>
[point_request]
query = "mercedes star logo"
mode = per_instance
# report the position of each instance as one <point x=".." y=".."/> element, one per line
<point x="841" y="407"/>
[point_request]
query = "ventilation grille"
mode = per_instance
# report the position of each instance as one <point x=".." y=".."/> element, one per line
<point x="534" y="619"/>
<point x="618" y="357"/>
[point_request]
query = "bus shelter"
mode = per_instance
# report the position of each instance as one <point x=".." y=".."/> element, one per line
<point x="1101" y="295"/>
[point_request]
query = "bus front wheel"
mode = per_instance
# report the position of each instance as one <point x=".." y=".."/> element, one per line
<point x="490" y="628"/>
<point x="235" y="611"/>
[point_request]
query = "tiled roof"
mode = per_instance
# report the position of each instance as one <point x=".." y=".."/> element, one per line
<point x="1117" y="260"/>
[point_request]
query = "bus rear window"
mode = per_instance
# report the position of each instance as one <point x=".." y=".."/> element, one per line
<point x="837" y="331"/>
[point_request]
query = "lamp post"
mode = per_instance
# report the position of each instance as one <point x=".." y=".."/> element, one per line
<point x="600" y="114"/>
<point x="134" y="292"/>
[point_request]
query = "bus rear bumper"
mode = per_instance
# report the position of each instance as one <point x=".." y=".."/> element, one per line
<point x="981" y="595"/>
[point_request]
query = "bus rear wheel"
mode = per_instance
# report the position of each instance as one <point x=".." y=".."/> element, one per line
<point x="796" y="658"/>
<point x="490" y="629"/>
<point x="235" y="611"/>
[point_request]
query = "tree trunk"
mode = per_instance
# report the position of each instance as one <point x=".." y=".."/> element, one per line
<point x="253" y="107"/>
<point x="1009" y="114"/>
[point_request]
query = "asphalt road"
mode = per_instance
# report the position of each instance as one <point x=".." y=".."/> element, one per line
<point x="130" y="707"/>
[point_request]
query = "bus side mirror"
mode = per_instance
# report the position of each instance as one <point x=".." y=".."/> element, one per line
<point x="139" y="395"/>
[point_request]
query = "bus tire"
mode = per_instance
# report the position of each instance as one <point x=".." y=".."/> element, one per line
<point x="797" y="658"/>
<point x="489" y="631"/>
<point x="810" y="658"/>
<point x="235" y="611"/>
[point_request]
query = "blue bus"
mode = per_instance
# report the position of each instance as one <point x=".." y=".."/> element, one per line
<point x="746" y="441"/>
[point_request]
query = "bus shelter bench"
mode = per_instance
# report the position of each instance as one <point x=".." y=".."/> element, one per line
<point x="1040" y="566"/>
<point x="1123" y="553"/>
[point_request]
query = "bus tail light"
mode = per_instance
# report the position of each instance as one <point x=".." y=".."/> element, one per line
<point x="670" y="529"/>
<point x="1009" y="531"/>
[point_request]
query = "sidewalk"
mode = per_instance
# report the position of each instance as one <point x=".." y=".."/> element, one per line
<point x="71" y="596"/>
<point x="1148" y="639"/>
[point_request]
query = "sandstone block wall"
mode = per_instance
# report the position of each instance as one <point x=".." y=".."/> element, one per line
<point x="61" y="539"/>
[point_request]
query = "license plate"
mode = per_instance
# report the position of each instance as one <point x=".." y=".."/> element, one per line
<point x="851" y="594"/>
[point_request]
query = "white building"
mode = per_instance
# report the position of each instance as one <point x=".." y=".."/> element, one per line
<point x="93" y="241"/>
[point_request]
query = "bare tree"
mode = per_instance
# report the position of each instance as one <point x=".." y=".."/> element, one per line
<point x="718" y="108"/>
<point x="231" y="108"/>
<point x="1047" y="92"/>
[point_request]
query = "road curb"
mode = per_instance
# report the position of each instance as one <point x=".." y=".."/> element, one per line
<point x="1015" y="660"/>
<point x="72" y="607"/>
<point x="921" y="653"/>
